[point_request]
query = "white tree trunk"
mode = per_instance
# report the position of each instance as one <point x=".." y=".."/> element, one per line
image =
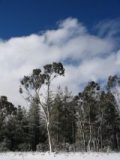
<point x="49" y="138"/>
<point x="48" y="117"/>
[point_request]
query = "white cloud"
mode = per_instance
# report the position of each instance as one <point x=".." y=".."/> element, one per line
<point x="93" y="57"/>
<point x="108" y="28"/>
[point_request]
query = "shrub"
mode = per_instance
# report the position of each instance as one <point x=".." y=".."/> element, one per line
<point x="5" y="145"/>
<point x="42" y="147"/>
<point x="24" y="147"/>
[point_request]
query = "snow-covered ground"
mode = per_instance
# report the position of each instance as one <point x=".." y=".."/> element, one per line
<point x="62" y="156"/>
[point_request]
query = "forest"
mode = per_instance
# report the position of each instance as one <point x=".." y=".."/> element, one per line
<point x="61" y="121"/>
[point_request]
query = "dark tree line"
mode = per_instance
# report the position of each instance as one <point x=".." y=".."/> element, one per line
<point x="89" y="121"/>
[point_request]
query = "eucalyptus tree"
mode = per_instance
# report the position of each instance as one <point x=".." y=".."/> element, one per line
<point x="87" y="111"/>
<point x="110" y="122"/>
<point x="32" y="87"/>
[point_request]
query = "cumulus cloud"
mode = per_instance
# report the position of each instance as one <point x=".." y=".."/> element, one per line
<point x="85" y="56"/>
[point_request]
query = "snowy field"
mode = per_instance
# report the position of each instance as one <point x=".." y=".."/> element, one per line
<point x="65" y="156"/>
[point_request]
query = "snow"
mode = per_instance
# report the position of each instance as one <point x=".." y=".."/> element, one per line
<point x="60" y="156"/>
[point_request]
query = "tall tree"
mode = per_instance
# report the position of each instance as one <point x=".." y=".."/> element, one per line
<point x="110" y="122"/>
<point x="34" y="83"/>
<point x="63" y="122"/>
<point x="87" y="111"/>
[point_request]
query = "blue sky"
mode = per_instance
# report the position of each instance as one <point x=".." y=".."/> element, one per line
<point x="23" y="17"/>
<point x="83" y="34"/>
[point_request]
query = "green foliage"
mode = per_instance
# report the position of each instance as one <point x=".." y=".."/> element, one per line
<point x="87" y="121"/>
<point x="34" y="125"/>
